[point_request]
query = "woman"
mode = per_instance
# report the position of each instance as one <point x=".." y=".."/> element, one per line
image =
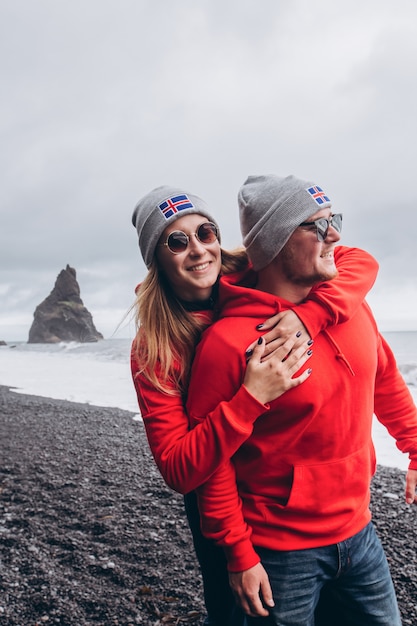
<point x="180" y="244"/>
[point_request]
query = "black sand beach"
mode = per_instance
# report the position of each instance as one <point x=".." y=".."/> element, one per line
<point x="90" y="534"/>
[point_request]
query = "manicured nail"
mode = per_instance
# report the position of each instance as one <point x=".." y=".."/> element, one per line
<point x="309" y="352"/>
<point x="299" y="334"/>
<point x="309" y="371"/>
<point x="259" y="326"/>
<point x="248" y="353"/>
<point x="259" y="341"/>
<point x="310" y="342"/>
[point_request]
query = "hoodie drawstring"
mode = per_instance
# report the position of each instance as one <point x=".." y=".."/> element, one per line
<point x="339" y="354"/>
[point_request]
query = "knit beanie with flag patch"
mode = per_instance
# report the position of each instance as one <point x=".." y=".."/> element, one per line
<point x="161" y="207"/>
<point x="271" y="208"/>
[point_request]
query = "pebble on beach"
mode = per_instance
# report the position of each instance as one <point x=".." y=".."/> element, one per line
<point x="90" y="533"/>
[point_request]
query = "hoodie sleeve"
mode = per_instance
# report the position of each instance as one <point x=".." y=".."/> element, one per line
<point x="335" y="301"/>
<point x="218" y="369"/>
<point x="394" y="404"/>
<point x="222" y="518"/>
<point x="186" y="458"/>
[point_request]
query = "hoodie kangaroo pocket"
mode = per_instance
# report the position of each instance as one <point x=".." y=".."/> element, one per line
<point x="325" y="496"/>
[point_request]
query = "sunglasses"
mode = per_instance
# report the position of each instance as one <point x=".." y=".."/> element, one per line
<point x="178" y="241"/>
<point x="323" y="224"/>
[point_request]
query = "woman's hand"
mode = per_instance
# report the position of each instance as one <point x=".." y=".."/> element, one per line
<point x="267" y="379"/>
<point x="283" y="326"/>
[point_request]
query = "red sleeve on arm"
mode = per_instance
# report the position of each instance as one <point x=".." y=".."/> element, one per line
<point x="186" y="458"/>
<point x="335" y="301"/>
<point x="394" y="404"/>
<point x="217" y="372"/>
<point x="222" y="519"/>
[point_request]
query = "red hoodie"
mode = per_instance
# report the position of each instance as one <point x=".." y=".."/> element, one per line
<point x="301" y="480"/>
<point x="186" y="459"/>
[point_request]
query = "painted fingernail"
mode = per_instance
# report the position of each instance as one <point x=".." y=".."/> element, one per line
<point x="259" y="326"/>
<point x="259" y="341"/>
<point x="309" y="352"/>
<point x="310" y="342"/>
<point x="249" y="352"/>
<point x="309" y="371"/>
<point x="299" y="334"/>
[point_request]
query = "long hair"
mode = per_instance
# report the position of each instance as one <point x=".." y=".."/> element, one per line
<point x="166" y="333"/>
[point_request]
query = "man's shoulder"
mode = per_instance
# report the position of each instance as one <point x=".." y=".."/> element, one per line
<point x="230" y="331"/>
<point x="224" y="343"/>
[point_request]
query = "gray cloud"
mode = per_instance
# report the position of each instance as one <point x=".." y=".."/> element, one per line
<point x="106" y="100"/>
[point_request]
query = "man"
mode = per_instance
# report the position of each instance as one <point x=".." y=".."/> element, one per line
<point x="291" y="509"/>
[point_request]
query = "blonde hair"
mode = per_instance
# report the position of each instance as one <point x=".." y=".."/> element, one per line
<point x="166" y="333"/>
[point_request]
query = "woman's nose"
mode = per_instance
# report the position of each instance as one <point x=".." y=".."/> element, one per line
<point x="196" y="247"/>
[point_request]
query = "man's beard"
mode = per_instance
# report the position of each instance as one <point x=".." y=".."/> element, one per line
<point x="318" y="277"/>
<point x="307" y="279"/>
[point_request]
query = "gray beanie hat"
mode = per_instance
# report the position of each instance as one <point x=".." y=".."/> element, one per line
<point x="161" y="207"/>
<point x="271" y="208"/>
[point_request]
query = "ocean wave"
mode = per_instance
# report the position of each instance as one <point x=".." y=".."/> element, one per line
<point x="112" y="350"/>
<point x="67" y="346"/>
<point x="118" y="351"/>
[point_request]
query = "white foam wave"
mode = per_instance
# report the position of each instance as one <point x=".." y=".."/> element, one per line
<point x="99" y="374"/>
<point x="66" y="372"/>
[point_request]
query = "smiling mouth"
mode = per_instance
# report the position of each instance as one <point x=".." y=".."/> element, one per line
<point x="327" y="255"/>
<point x="198" y="268"/>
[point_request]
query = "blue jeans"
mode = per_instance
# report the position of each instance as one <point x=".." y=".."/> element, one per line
<point x="354" y="571"/>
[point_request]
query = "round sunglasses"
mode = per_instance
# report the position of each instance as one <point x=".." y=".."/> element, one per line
<point x="178" y="241"/>
<point x="323" y="224"/>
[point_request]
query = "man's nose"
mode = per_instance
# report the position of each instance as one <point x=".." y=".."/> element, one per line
<point x="332" y="234"/>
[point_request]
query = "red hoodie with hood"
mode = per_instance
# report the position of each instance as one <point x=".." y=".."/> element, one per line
<point x="302" y="479"/>
<point x="176" y="450"/>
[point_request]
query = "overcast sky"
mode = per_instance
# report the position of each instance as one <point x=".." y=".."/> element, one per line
<point x="103" y="100"/>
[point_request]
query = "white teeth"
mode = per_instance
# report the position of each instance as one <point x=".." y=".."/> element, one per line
<point x="327" y="255"/>
<point x="197" y="268"/>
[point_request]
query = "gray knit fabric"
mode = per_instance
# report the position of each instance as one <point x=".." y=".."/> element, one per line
<point x="161" y="207"/>
<point x="271" y="208"/>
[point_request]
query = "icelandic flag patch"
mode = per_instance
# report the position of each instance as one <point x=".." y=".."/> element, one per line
<point x="318" y="195"/>
<point x="173" y="205"/>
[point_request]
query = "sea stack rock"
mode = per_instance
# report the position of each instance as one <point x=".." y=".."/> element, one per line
<point x="62" y="316"/>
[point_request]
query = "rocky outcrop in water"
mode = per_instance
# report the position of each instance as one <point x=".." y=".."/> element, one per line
<point x="62" y="316"/>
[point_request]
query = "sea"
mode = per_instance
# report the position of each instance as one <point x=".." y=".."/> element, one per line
<point x="99" y="374"/>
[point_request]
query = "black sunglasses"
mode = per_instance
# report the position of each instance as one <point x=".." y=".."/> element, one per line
<point x="323" y="224"/>
<point x="178" y="241"/>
